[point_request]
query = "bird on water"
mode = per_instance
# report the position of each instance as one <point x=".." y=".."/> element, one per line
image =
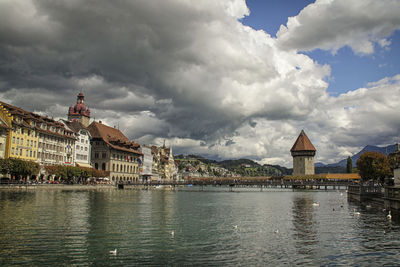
<point x="389" y="216"/>
<point x="113" y="252"/>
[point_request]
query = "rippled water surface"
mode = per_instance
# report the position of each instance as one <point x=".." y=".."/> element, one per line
<point x="193" y="227"/>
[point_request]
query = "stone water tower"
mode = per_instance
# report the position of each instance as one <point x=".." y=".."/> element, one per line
<point x="303" y="153"/>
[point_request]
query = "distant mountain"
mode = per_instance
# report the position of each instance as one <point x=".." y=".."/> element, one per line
<point x="384" y="150"/>
<point x="244" y="167"/>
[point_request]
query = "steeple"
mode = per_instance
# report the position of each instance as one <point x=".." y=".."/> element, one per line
<point x="79" y="112"/>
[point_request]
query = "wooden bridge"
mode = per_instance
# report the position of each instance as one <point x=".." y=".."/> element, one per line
<point x="262" y="183"/>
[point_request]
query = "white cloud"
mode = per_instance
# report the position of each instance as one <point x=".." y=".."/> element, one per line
<point x="191" y="73"/>
<point x="332" y="24"/>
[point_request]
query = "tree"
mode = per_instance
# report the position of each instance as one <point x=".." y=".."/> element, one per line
<point x="349" y="166"/>
<point x="373" y="166"/>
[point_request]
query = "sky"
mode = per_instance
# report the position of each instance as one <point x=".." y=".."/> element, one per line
<point x="225" y="79"/>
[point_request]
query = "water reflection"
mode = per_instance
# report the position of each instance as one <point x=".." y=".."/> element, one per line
<point x="304" y="225"/>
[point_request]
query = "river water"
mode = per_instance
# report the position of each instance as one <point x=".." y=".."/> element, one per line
<point x="213" y="227"/>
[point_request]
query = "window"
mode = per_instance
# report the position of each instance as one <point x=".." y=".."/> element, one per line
<point x="34" y="143"/>
<point x="113" y="167"/>
<point x="22" y="141"/>
<point x="85" y="148"/>
<point x="34" y="154"/>
<point x="13" y="139"/>
<point x="96" y="166"/>
<point x="103" y="166"/>
<point x="12" y="151"/>
<point x="82" y="141"/>
<point x="27" y="153"/>
<point x="30" y="153"/>
<point x="20" y="152"/>
<point x="96" y="156"/>
<point x="17" y="140"/>
<point x="104" y="155"/>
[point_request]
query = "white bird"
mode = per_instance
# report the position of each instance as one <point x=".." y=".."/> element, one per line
<point x="315" y="204"/>
<point x="276" y="231"/>
<point x="172" y="233"/>
<point x="235" y="226"/>
<point x="389" y="216"/>
<point x="356" y="212"/>
<point x="368" y="206"/>
<point x="341" y="194"/>
<point x="113" y="252"/>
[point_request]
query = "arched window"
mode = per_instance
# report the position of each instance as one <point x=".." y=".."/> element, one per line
<point x="121" y="168"/>
<point x="103" y="166"/>
<point x="113" y="178"/>
<point x="113" y="167"/>
<point x="96" y="166"/>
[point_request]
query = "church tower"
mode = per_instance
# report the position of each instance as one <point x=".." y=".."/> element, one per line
<point x="303" y="153"/>
<point x="79" y="112"/>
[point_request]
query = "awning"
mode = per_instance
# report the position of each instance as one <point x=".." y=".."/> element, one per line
<point x="84" y="165"/>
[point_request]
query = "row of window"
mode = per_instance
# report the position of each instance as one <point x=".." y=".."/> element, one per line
<point x="123" y="157"/>
<point x="18" y="141"/>
<point x="55" y="139"/>
<point x="118" y="168"/>
<point x="57" y="158"/>
<point x="103" y="155"/>
<point x="81" y="148"/>
<point x="125" y="168"/>
<point x="19" y="152"/>
<point x="81" y="157"/>
<point x="22" y="131"/>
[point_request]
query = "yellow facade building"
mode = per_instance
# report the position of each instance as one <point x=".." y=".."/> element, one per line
<point x="5" y="128"/>
<point x="22" y="139"/>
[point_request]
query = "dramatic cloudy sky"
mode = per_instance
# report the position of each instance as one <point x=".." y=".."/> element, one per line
<point x="224" y="79"/>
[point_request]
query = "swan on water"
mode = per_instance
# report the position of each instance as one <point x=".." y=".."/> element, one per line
<point x="356" y="212"/>
<point x="113" y="252"/>
<point x="389" y="216"/>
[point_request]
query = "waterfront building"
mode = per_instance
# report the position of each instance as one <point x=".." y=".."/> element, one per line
<point x="82" y="143"/>
<point x="164" y="163"/>
<point x="303" y="153"/>
<point x="79" y="112"/>
<point x="112" y="151"/>
<point x="22" y="139"/>
<point x="56" y="142"/>
<point x="38" y="138"/>
<point x="5" y="128"/>
<point x="146" y="172"/>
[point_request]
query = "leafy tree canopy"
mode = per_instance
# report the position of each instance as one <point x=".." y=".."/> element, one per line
<point x="373" y="166"/>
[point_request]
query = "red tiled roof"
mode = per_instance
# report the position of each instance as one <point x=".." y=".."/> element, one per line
<point x="303" y="143"/>
<point x="113" y="137"/>
<point x="27" y="115"/>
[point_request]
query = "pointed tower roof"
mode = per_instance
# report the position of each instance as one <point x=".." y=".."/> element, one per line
<point x="302" y="143"/>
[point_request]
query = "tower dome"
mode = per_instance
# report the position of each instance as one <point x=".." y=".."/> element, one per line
<point x="79" y="112"/>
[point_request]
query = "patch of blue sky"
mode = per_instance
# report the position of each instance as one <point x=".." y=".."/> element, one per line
<point x="349" y="71"/>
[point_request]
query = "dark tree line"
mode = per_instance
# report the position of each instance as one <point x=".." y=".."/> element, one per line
<point x="18" y="168"/>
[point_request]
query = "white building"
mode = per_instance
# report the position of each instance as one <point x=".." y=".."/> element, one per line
<point x="82" y="144"/>
<point x="146" y="171"/>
